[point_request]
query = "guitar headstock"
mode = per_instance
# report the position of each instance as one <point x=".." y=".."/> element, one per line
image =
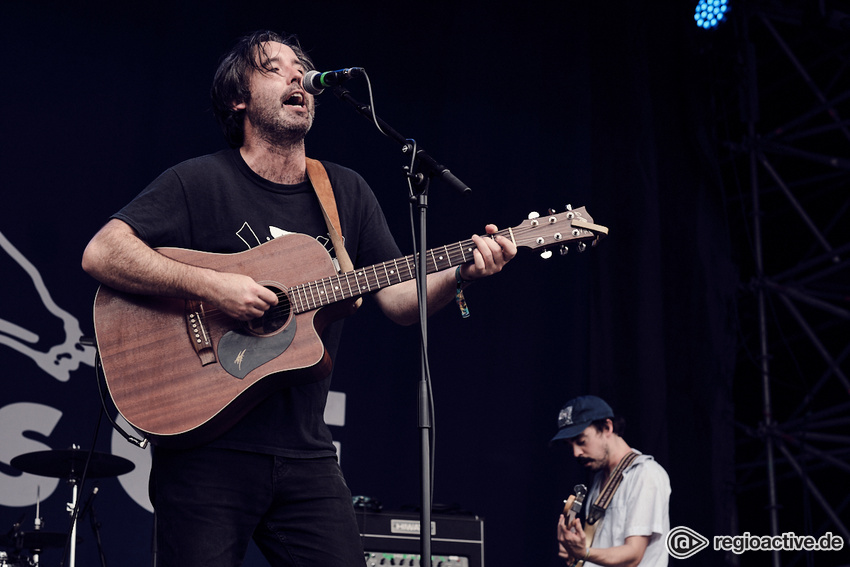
<point x="573" y="504"/>
<point x="558" y="230"/>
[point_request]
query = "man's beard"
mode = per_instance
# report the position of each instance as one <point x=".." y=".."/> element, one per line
<point x="276" y="130"/>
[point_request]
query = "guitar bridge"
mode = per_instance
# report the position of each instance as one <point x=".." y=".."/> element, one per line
<point x="198" y="334"/>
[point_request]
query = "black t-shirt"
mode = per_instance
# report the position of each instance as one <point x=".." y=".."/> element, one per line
<point x="216" y="203"/>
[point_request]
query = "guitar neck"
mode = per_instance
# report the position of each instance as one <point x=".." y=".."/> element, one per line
<point x="313" y="295"/>
<point x="556" y="229"/>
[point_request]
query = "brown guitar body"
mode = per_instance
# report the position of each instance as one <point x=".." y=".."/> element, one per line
<point x="157" y="380"/>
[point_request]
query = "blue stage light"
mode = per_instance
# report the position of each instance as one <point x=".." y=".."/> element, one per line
<point x="709" y="13"/>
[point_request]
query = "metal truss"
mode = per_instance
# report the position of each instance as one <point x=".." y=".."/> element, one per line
<point x="784" y="119"/>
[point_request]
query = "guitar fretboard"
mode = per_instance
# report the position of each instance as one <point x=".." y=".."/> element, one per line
<point x="313" y="295"/>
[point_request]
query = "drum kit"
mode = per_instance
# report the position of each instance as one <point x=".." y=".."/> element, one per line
<point x="22" y="548"/>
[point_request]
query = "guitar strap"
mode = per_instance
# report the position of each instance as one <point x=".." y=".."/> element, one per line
<point x="596" y="512"/>
<point x="597" y="509"/>
<point x="322" y="186"/>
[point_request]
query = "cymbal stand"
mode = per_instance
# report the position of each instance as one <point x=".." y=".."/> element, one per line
<point x="37" y="523"/>
<point x="71" y="507"/>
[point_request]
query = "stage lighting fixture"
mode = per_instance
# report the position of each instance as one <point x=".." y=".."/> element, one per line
<point x="709" y="13"/>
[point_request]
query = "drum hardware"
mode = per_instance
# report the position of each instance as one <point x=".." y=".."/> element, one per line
<point x="74" y="465"/>
<point x="18" y="543"/>
<point x="7" y="561"/>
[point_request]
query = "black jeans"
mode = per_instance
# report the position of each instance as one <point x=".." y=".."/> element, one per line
<point x="209" y="503"/>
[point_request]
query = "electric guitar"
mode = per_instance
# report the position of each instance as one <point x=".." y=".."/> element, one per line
<point x="182" y="372"/>
<point x="572" y="508"/>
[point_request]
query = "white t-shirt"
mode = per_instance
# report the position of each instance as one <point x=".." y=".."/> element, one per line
<point x="640" y="507"/>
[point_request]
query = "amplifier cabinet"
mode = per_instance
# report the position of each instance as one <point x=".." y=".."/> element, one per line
<point x="392" y="538"/>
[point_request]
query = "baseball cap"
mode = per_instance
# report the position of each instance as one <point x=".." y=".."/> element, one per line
<point x="578" y="413"/>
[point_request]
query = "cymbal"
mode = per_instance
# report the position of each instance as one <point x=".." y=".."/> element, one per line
<point x="41" y="540"/>
<point x="70" y="464"/>
<point x="34" y="540"/>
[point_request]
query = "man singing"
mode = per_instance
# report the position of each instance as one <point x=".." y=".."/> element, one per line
<point x="273" y="476"/>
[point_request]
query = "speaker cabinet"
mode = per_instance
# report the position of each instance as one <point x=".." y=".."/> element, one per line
<point x="392" y="538"/>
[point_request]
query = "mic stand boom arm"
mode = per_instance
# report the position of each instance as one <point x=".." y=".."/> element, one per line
<point x="429" y="164"/>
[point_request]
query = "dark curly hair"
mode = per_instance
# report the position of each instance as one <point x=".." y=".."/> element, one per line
<point x="231" y="82"/>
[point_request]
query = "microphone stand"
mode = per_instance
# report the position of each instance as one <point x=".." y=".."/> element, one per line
<point x="420" y="183"/>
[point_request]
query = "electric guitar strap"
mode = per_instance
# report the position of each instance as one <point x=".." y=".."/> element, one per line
<point x="596" y="512"/>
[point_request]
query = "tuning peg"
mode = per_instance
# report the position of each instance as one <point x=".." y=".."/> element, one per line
<point x="552" y="211"/>
<point x="533" y="215"/>
<point x="564" y="249"/>
<point x="582" y="246"/>
<point x="569" y="207"/>
<point x="546" y="254"/>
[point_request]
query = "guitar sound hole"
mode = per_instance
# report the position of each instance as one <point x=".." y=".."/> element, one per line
<point x="275" y="318"/>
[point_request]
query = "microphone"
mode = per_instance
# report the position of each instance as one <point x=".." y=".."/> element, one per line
<point x="315" y="82"/>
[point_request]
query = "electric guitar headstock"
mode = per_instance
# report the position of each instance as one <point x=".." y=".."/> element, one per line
<point x="573" y="504"/>
<point x="572" y="508"/>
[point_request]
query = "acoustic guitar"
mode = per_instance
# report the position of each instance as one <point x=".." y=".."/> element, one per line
<point x="182" y="372"/>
